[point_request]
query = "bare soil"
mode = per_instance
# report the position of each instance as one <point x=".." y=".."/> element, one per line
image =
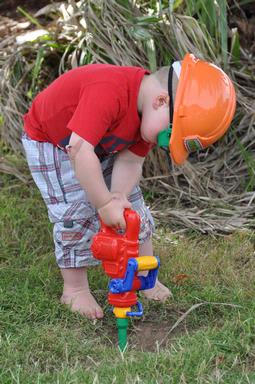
<point x="149" y="336"/>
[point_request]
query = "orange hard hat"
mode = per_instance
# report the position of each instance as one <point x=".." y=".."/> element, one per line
<point x="204" y="106"/>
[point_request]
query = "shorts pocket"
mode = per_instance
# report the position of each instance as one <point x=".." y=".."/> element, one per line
<point x="78" y="210"/>
<point x="72" y="242"/>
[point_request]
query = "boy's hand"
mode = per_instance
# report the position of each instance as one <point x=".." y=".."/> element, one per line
<point x="112" y="213"/>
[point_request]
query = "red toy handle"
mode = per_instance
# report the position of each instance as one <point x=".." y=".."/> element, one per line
<point x="132" y="219"/>
<point x="115" y="249"/>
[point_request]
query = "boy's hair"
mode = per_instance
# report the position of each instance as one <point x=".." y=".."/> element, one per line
<point x="161" y="75"/>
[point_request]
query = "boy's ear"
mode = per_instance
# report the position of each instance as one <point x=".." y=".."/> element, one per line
<point x="160" y="100"/>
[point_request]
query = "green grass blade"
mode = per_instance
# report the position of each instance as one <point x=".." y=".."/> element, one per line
<point x="29" y="17"/>
<point x="223" y="28"/>
<point x="250" y="162"/>
<point x="36" y="71"/>
<point x="235" y="46"/>
<point x="151" y="54"/>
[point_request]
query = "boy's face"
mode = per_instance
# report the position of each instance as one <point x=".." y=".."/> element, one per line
<point x="155" y="117"/>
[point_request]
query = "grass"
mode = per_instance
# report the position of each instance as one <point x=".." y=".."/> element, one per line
<point x="42" y="342"/>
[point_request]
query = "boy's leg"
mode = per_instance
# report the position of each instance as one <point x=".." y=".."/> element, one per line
<point x="75" y="222"/>
<point x="159" y="292"/>
<point x="72" y="249"/>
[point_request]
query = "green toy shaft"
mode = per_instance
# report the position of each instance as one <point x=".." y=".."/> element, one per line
<point x="122" y="325"/>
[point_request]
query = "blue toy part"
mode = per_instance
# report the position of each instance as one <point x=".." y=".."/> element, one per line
<point x="148" y="282"/>
<point x="125" y="285"/>
<point x="139" y="313"/>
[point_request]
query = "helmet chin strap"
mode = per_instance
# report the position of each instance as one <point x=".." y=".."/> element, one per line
<point x="176" y="68"/>
<point x="165" y="135"/>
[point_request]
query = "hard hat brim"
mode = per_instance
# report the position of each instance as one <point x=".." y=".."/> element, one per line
<point x="177" y="149"/>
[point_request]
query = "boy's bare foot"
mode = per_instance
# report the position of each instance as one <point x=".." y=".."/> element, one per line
<point x="77" y="295"/>
<point x="83" y="302"/>
<point x="159" y="292"/>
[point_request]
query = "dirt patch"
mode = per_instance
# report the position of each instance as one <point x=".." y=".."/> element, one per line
<point x="149" y="336"/>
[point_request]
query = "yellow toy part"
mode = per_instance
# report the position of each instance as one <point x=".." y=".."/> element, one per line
<point x="121" y="313"/>
<point x="145" y="263"/>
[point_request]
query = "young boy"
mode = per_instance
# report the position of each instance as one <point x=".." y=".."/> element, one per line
<point x="86" y="137"/>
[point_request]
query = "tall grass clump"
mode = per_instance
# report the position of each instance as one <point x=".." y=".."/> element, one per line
<point x="214" y="191"/>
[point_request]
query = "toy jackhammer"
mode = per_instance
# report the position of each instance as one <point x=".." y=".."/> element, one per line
<point x="121" y="261"/>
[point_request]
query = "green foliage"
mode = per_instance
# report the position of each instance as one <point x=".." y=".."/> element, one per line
<point x="29" y="17"/>
<point x="36" y="71"/>
<point x="212" y="15"/>
<point x="235" y="46"/>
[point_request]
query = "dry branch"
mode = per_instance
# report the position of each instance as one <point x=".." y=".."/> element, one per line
<point x="214" y="192"/>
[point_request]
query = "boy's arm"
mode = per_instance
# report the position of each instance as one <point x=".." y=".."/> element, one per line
<point x="127" y="171"/>
<point x="88" y="171"/>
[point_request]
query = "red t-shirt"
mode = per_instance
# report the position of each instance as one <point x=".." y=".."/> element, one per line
<point x="96" y="101"/>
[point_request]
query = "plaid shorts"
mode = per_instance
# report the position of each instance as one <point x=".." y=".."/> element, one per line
<point x="75" y="219"/>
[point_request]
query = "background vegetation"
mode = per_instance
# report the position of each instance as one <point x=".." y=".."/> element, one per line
<point x="214" y="192"/>
<point x="206" y="332"/>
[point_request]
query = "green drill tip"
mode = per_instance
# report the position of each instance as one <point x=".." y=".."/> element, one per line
<point x="122" y="325"/>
